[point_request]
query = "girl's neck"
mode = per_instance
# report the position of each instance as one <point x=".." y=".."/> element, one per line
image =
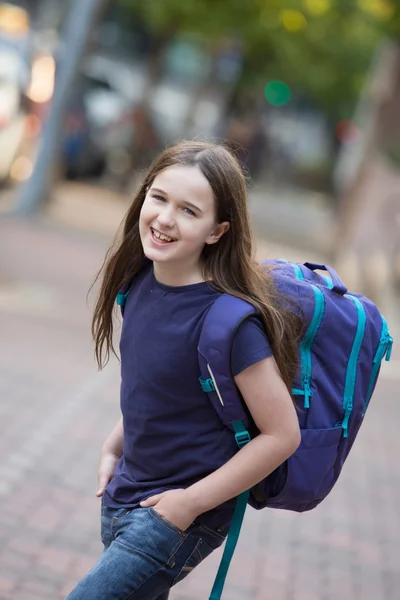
<point x="178" y="275"/>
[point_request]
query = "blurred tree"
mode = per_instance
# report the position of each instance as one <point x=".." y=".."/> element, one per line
<point x="323" y="48"/>
<point x="366" y="179"/>
<point x="319" y="48"/>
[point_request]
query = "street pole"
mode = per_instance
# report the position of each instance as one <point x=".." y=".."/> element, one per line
<point x="81" y="19"/>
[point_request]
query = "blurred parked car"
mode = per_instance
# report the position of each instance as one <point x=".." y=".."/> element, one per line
<point x="80" y="155"/>
<point x="99" y="124"/>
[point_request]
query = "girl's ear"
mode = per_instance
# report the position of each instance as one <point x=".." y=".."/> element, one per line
<point x="218" y="232"/>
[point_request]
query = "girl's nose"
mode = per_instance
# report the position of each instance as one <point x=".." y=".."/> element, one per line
<point x="166" y="218"/>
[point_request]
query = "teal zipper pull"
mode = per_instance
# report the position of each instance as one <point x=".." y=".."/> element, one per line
<point x="348" y="406"/>
<point x="345" y="424"/>
<point x="384" y="350"/>
<point x="297" y="392"/>
<point x="347" y="401"/>
<point x="389" y="349"/>
<point x="307" y="390"/>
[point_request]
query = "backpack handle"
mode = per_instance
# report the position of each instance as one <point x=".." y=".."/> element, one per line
<point x="338" y="285"/>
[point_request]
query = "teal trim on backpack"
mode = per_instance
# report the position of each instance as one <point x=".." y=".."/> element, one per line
<point x="207" y="385"/>
<point x="297" y="392"/>
<point x="384" y="350"/>
<point x="329" y="282"/>
<point x="351" y="373"/>
<point x="121" y="298"/>
<point x="307" y="342"/>
<point x="242" y="438"/>
<point x="297" y="271"/>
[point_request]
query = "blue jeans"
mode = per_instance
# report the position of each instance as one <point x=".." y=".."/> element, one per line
<point x="144" y="556"/>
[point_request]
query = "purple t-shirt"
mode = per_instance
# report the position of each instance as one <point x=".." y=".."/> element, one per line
<point x="173" y="437"/>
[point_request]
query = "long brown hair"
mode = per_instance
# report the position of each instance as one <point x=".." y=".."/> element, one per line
<point x="230" y="263"/>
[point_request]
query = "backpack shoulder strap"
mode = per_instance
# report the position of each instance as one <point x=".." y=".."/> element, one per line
<point x="215" y="345"/>
<point x="122" y="296"/>
<point x="214" y="349"/>
<point x="123" y="293"/>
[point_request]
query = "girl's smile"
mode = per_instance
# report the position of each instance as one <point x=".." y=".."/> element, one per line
<point x="161" y="239"/>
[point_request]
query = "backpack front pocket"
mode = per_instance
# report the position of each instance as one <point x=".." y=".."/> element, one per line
<point x="311" y="470"/>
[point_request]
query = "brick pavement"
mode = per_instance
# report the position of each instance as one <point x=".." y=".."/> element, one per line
<point x="56" y="410"/>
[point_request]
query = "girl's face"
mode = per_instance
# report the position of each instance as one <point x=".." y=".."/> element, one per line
<point x="178" y="217"/>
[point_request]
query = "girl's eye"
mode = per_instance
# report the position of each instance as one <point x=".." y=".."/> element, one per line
<point x="161" y="198"/>
<point x="189" y="211"/>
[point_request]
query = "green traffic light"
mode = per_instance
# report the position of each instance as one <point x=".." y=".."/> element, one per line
<point x="277" y="93"/>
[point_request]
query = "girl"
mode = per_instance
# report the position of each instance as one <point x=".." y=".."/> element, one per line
<point x="169" y="472"/>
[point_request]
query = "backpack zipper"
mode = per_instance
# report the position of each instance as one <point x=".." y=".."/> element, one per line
<point x="305" y="346"/>
<point x="351" y="373"/>
<point x="384" y="350"/>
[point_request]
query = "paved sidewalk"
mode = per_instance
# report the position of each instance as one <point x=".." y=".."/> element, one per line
<point x="56" y="410"/>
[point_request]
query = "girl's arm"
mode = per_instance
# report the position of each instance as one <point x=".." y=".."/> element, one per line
<point x="272" y="409"/>
<point x="110" y="454"/>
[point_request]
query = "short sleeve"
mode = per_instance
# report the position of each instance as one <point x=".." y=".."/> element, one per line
<point x="250" y="345"/>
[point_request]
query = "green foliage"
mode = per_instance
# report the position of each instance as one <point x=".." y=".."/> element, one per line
<point x="394" y="157"/>
<point x="320" y="48"/>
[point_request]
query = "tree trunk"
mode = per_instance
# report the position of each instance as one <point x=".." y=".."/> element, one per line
<point x="367" y="249"/>
<point x="355" y="160"/>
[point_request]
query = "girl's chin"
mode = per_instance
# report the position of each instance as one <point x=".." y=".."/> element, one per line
<point x="155" y="254"/>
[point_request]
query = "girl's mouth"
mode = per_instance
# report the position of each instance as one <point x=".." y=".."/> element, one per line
<point x="161" y="238"/>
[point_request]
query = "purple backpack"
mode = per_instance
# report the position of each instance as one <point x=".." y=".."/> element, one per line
<point x="341" y="350"/>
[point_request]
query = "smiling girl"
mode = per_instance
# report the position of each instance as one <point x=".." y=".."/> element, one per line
<point x="170" y="472"/>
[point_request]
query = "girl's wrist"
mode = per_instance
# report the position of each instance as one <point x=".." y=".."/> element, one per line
<point x="196" y="501"/>
<point x="106" y="451"/>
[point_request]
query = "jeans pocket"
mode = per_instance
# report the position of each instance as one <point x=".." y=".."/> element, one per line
<point x="213" y="538"/>
<point x="199" y="553"/>
<point x="156" y="515"/>
<point x="208" y="541"/>
<point x="105" y="526"/>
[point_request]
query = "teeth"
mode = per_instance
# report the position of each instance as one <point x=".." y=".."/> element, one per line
<point x="161" y="236"/>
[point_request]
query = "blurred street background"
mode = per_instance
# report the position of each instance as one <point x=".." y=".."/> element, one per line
<point x="307" y="92"/>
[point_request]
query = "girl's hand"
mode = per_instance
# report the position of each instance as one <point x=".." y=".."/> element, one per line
<point x="174" y="506"/>
<point x="108" y="462"/>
